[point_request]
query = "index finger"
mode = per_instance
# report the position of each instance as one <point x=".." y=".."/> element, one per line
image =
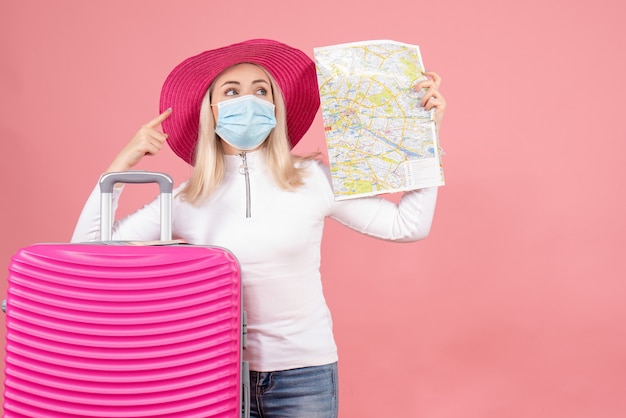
<point x="436" y="77"/>
<point x="159" y="119"/>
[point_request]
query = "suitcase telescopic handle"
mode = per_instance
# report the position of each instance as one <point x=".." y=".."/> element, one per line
<point x="107" y="183"/>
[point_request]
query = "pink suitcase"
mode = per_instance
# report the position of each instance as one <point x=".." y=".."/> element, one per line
<point x="116" y="330"/>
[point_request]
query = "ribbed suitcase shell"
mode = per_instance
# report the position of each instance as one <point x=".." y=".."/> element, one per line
<point x="123" y="331"/>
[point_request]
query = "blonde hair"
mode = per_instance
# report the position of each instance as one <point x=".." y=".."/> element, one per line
<point x="209" y="164"/>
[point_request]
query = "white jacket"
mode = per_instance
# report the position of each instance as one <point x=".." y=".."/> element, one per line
<point x="278" y="248"/>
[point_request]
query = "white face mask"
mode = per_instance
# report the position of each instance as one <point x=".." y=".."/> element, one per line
<point x="245" y="122"/>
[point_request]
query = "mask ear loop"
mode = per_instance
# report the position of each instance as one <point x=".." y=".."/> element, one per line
<point x="210" y="92"/>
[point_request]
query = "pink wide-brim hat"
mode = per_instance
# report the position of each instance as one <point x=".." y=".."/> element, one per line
<point x="187" y="84"/>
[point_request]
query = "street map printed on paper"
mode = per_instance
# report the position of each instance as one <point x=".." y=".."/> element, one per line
<point x="379" y="138"/>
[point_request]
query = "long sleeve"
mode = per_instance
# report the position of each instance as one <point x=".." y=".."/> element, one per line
<point x="142" y="225"/>
<point x="407" y="221"/>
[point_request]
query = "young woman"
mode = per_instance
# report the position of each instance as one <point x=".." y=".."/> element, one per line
<point x="234" y="113"/>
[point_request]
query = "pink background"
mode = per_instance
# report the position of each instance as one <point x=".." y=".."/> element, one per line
<point x="513" y="307"/>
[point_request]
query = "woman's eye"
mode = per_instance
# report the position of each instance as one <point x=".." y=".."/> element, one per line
<point x="261" y="92"/>
<point x="230" y="92"/>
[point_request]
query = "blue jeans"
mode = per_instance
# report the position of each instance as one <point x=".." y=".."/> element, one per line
<point x="308" y="392"/>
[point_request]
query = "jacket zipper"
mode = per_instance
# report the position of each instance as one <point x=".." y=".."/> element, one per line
<point x="243" y="169"/>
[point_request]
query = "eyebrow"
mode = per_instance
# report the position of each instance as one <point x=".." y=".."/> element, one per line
<point x="260" y="80"/>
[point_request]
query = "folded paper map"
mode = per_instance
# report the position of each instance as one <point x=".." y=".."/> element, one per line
<point x="379" y="138"/>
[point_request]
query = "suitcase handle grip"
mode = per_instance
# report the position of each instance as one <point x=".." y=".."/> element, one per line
<point x="107" y="182"/>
